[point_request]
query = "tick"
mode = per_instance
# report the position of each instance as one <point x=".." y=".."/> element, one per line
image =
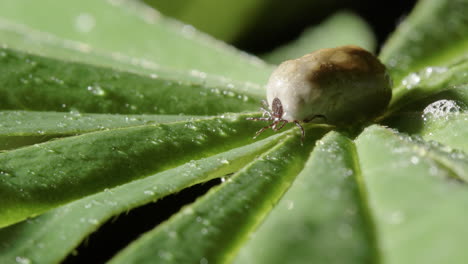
<point x="341" y="86"/>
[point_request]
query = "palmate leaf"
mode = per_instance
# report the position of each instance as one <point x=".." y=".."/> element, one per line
<point x="364" y="195"/>
<point x="76" y="220"/>
<point x="34" y="178"/>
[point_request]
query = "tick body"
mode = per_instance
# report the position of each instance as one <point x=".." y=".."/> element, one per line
<point x="341" y="85"/>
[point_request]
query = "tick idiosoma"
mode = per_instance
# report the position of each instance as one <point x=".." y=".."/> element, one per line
<point x="341" y="85"/>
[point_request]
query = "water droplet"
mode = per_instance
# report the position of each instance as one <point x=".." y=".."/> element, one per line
<point x="414" y="160"/>
<point x="75" y="113"/>
<point x="429" y="71"/>
<point x="188" y="211"/>
<point x="396" y="217"/>
<point x="191" y="126"/>
<point x="93" y="221"/>
<point x="188" y="30"/>
<point x="411" y="80"/>
<point x="147" y="192"/>
<point x="23" y="260"/>
<point x="172" y="234"/>
<point x="85" y="22"/>
<point x="198" y="74"/>
<point x="4" y="173"/>
<point x="441" y="109"/>
<point x="203" y="261"/>
<point x="56" y="80"/>
<point x="165" y="255"/>
<point x="223" y="161"/>
<point x="96" y="89"/>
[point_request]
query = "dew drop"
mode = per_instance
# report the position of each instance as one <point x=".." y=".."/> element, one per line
<point x="411" y="80"/>
<point x="441" y="109"/>
<point x="223" y="161"/>
<point x="165" y="255"/>
<point x="198" y="74"/>
<point x="23" y="260"/>
<point x="396" y="217"/>
<point x="85" y="22"/>
<point x="414" y="160"/>
<point x="96" y="90"/>
<point x="188" y="30"/>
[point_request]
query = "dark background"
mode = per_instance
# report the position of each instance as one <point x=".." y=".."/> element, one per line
<point x="271" y="31"/>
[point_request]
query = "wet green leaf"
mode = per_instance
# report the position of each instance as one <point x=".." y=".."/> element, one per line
<point x="74" y="221"/>
<point x="322" y="213"/>
<point x="70" y="86"/>
<point x="434" y="34"/>
<point x="33" y="179"/>
<point x="448" y="128"/>
<point x="92" y="77"/>
<point x="99" y="25"/>
<point x="413" y="199"/>
<point x="21" y="128"/>
<point x="213" y="228"/>
<point x="432" y="83"/>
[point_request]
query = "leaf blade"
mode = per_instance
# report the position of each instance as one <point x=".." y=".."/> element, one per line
<point x="162" y="40"/>
<point x="322" y="211"/>
<point x="240" y="196"/>
<point x="423" y="226"/>
<point x="74" y="221"/>
<point x="434" y="34"/>
<point x="33" y="178"/>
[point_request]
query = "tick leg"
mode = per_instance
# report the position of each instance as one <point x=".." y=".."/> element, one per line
<point x="264" y="128"/>
<point x="283" y="122"/>
<point x="259" y="118"/>
<point x="314" y="117"/>
<point x="302" y="131"/>
<point x="266" y="113"/>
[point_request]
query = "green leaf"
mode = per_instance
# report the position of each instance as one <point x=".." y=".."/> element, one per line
<point x="435" y="33"/>
<point x="431" y="83"/>
<point x="213" y="228"/>
<point x="448" y="128"/>
<point x="322" y="213"/>
<point x="413" y="199"/>
<point x="32" y="179"/>
<point x="343" y="28"/>
<point x="71" y="223"/>
<point x="23" y="38"/>
<point x="132" y="29"/>
<point x="66" y="86"/>
<point x="93" y="59"/>
<point x="21" y="128"/>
